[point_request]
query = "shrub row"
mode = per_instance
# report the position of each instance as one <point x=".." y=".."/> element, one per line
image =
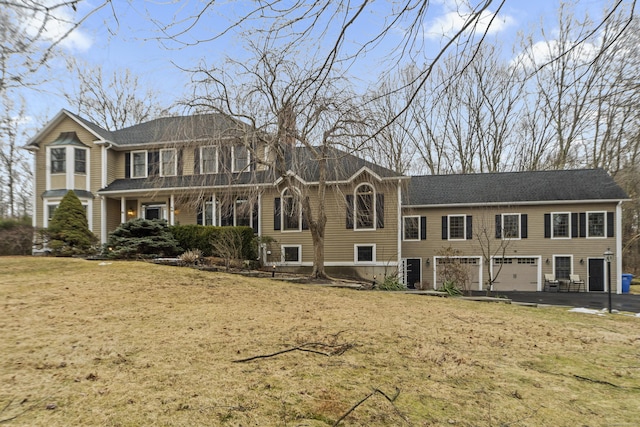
<point x="209" y="239"/>
<point x="16" y="236"/>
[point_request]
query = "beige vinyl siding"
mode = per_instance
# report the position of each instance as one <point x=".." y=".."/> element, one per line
<point x="188" y="160"/>
<point x="59" y="182"/>
<point x="80" y="182"/>
<point x="339" y="241"/>
<point x="115" y="165"/>
<point x="534" y="245"/>
<point x="113" y="214"/>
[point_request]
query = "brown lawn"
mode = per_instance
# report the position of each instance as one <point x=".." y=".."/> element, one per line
<point x="131" y="343"/>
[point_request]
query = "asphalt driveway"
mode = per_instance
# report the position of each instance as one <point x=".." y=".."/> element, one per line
<point x="596" y="300"/>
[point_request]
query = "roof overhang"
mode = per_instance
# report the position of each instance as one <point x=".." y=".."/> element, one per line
<point x="524" y="203"/>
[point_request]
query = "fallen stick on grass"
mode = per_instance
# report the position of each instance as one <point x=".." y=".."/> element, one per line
<point x="334" y="350"/>
<point x="373" y="393"/>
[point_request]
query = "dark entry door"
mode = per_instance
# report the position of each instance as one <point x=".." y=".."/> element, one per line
<point x="413" y="272"/>
<point x="596" y="275"/>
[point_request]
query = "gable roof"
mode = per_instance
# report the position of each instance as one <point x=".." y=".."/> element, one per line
<point x="513" y="188"/>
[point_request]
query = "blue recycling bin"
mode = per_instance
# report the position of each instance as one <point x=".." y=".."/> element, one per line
<point x="626" y="283"/>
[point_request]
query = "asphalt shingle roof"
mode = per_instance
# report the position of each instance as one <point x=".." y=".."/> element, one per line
<point x="513" y="187"/>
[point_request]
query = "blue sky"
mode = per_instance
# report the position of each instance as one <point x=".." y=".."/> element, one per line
<point x="126" y="36"/>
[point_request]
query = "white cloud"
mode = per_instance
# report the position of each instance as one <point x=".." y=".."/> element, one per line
<point x="453" y="21"/>
<point x="545" y="51"/>
<point x="55" y="27"/>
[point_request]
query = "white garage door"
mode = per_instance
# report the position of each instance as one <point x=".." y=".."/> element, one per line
<point x="516" y="273"/>
<point x="457" y="269"/>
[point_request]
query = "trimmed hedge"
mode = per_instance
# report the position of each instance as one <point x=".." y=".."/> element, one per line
<point x="201" y="236"/>
<point x="16" y="236"/>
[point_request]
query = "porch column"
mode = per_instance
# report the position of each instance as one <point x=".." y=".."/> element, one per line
<point x="103" y="220"/>
<point x="172" y="209"/>
<point x="123" y="210"/>
<point x="618" y="234"/>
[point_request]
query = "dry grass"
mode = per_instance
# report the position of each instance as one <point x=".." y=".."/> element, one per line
<point x="131" y="344"/>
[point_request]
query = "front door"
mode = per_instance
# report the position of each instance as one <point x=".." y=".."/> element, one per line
<point x="596" y="275"/>
<point x="413" y="272"/>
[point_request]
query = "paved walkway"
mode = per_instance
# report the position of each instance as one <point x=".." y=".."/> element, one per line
<point x="596" y="300"/>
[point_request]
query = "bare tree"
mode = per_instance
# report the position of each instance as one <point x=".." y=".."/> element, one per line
<point x="114" y="101"/>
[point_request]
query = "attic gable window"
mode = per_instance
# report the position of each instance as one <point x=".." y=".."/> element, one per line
<point x="58" y="160"/>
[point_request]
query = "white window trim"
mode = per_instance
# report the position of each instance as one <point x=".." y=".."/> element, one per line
<point x="282" y="260"/>
<point x="66" y="159"/>
<point x="175" y="162"/>
<point x="404" y="238"/>
<point x="215" y="161"/>
<point x="355" y="254"/>
<point x="86" y="161"/>
<point x="161" y="205"/>
<point x="233" y="158"/>
<point x="464" y="227"/>
<point x="132" y="164"/>
<point x="553" y="236"/>
<point x="214" y="210"/>
<point x="570" y="256"/>
<point x="290" y="230"/>
<point x="604" y="215"/>
<point x="519" y="226"/>
<point x="355" y="208"/>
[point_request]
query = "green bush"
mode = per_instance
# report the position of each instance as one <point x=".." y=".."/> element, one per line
<point x="16" y="236"/>
<point x="391" y="283"/>
<point x="203" y="237"/>
<point x="451" y="288"/>
<point x="142" y="238"/>
<point x="68" y="232"/>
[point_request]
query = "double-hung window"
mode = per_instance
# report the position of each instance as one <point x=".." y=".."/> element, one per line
<point x="58" y="160"/>
<point x="168" y="162"/>
<point x="139" y="164"/>
<point x="457" y="227"/>
<point x="511" y="226"/>
<point x="209" y="159"/>
<point x="561" y="225"/>
<point x="80" y="160"/>
<point x="365" y="207"/>
<point x="596" y="223"/>
<point x="411" y="228"/>
<point x="240" y="158"/>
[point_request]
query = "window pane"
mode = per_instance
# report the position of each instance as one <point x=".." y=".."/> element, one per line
<point x="209" y="160"/>
<point x="561" y="225"/>
<point x="168" y="162"/>
<point x="243" y="213"/>
<point x="51" y="210"/>
<point x="139" y="161"/>
<point x="291" y="254"/>
<point x="511" y="226"/>
<point x="365" y="253"/>
<point x="411" y="231"/>
<point x="240" y="158"/>
<point x="364" y="207"/>
<point x="80" y="160"/>
<point x="563" y="267"/>
<point x="58" y="160"/>
<point x="456" y="227"/>
<point x="208" y="213"/>
<point x="290" y="212"/>
<point x="596" y="224"/>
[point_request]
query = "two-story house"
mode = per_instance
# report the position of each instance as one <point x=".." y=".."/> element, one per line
<point x="211" y="170"/>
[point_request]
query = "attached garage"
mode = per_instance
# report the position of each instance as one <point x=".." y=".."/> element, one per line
<point x="516" y="273"/>
<point x="468" y="269"/>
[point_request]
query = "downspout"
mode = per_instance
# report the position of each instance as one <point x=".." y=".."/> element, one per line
<point x="103" y="199"/>
<point x="619" y="248"/>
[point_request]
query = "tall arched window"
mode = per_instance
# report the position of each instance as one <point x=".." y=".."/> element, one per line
<point x="290" y="211"/>
<point x="365" y="207"/>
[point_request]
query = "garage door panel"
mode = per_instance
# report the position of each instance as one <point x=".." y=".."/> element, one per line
<point x="516" y="274"/>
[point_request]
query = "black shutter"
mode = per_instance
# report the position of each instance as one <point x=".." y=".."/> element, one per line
<point x="196" y="161"/>
<point x="379" y="210"/>
<point x="254" y="218"/>
<point x="610" y="225"/>
<point x="179" y="161"/>
<point x="305" y="223"/>
<point x="583" y="224"/>
<point x="423" y="228"/>
<point x="574" y="224"/>
<point x="200" y="216"/>
<point x="524" y="232"/>
<point x="469" y="227"/>
<point x="349" y="201"/>
<point x="547" y="226"/>
<point x="498" y="226"/>
<point x="153" y="163"/>
<point x="445" y="228"/>
<point x="276" y="213"/>
<point x="127" y="165"/>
